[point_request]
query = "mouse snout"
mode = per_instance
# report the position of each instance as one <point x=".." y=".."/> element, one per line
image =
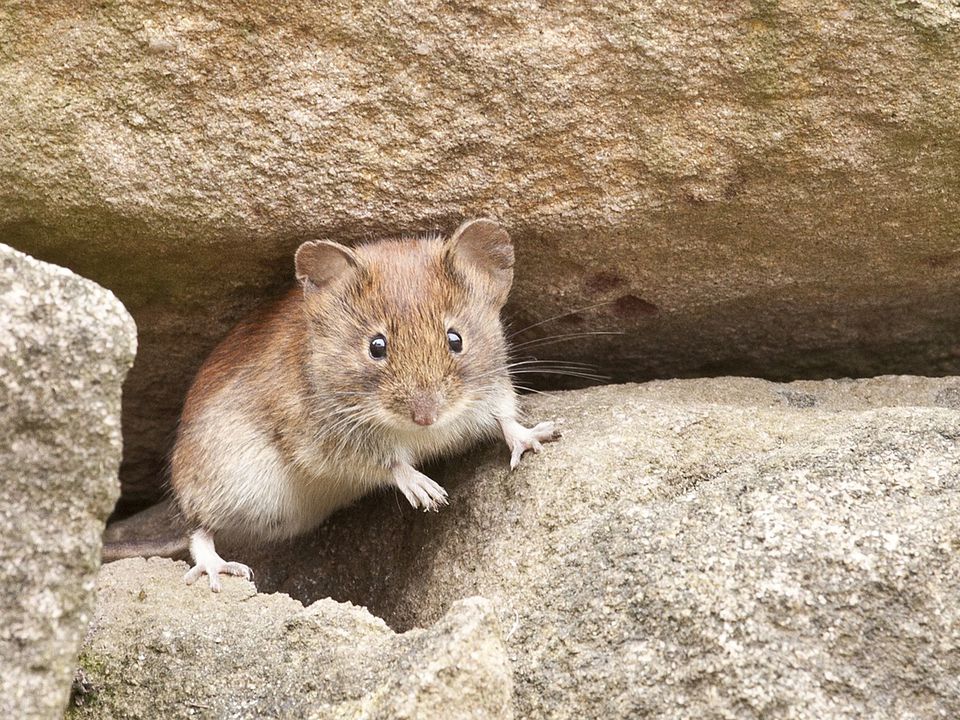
<point x="425" y="407"/>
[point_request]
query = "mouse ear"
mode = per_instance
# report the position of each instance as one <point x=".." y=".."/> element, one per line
<point x="321" y="263"/>
<point x="483" y="249"/>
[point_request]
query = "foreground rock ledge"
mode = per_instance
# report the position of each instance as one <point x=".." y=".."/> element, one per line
<point x="65" y="347"/>
<point x="714" y="548"/>
<point x="160" y="649"/>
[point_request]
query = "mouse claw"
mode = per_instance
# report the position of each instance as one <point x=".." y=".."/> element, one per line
<point x="215" y="570"/>
<point x="517" y="452"/>
<point x="419" y="490"/>
<point x="209" y="563"/>
<point x="520" y="439"/>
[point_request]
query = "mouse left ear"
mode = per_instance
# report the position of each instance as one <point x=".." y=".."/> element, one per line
<point x="322" y="263"/>
<point x="482" y="250"/>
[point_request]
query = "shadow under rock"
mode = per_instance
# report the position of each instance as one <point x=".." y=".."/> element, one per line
<point x="370" y="553"/>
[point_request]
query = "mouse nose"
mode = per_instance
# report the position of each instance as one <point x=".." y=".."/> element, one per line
<point x="424" y="408"/>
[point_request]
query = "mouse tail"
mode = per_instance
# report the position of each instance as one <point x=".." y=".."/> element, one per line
<point x="168" y="548"/>
<point x="158" y="531"/>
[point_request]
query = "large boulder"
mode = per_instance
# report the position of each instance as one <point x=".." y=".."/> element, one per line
<point x="65" y="346"/>
<point x="750" y="188"/>
<point x="160" y="649"/>
<point x="715" y="548"/>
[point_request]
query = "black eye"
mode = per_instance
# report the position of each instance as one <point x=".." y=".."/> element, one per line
<point x="378" y="347"/>
<point x="455" y="341"/>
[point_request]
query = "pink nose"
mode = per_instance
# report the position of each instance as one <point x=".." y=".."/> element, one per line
<point x="424" y="419"/>
<point x="424" y="408"/>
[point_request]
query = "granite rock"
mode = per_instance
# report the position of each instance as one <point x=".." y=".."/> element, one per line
<point x="65" y="346"/>
<point x="727" y="548"/>
<point x="716" y="548"/>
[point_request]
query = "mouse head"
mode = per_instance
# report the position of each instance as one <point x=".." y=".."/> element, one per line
<point x="405" y="334"/>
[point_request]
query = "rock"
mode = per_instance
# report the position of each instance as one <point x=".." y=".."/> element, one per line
<point x="65" y="347"/>
<point x="160" y="649"/>
<point x="711" y="548"/>
<point x="752" y="189"/>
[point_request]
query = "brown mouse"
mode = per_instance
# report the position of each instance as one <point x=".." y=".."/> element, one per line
<point x="386" y="355"/>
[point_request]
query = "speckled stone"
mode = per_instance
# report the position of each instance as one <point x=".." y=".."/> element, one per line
<point x="160" y="649"/>
<point x="725" y="548"/>
<point x="65" y="346"/>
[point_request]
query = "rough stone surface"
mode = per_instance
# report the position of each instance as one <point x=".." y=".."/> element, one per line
<point x="722" y="548"/>
<point x="752" y="188"/>
<point x="160" y="649"/>
<point x="65" y="347"/>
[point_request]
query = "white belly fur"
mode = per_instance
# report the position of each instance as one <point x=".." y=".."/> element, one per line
<point x="247" y="489"/>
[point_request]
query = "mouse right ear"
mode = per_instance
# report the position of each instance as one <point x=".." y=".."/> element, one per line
<point x="483" y="249"/>
<point x="321" y="263"/>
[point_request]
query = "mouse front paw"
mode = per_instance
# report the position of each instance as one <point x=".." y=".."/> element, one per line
<point x="520" y="439"/>
<point x="419" y="490"/>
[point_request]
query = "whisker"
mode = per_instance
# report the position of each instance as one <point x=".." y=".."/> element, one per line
<point x="561" y="315"/>
<point x="532" y="361"/>
<point x="537" y="371"/>
<point x="542" y="367"/>
<point x="541" y="373"/>
<point x="532" y="390"/>
<point x="559" y="363"/>
<point x="560" y="338"/>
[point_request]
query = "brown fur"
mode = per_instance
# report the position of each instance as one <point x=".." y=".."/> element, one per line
<point x="295" y="389"/>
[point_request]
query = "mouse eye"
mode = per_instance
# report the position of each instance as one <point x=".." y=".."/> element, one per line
<point x="455" y="341"/>
<point x="378" y="347"/>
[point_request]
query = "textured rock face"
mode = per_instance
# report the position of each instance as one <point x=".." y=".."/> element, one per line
<point x="712" y="548"/>
<point x="160" y="649"/>
<point x="65" y="347"/>
<point x="718" y="548"/>
<point x="752" y="188"/>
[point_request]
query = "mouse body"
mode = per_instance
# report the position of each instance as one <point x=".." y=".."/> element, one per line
<point x="385" y="355"/>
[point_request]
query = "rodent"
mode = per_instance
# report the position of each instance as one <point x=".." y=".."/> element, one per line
<point x="384" y="355"/>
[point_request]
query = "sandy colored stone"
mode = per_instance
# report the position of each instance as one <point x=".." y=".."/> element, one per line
<point x="723" y="548"/>
<point x="65" y="346"/>
<point x="750" y="188"/>
<point x="160" y="649"/>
